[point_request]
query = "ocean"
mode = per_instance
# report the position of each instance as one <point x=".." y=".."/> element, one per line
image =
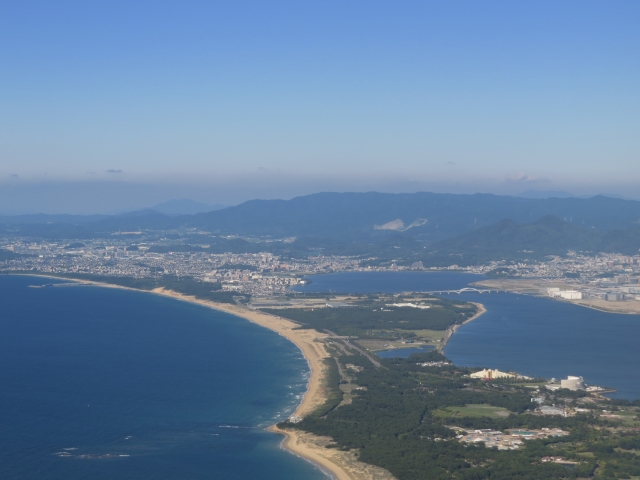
<point x="535" y="336"/>
<point x="102" y="383"/>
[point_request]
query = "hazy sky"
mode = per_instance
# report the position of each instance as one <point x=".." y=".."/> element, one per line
<point x="110" y="105"/>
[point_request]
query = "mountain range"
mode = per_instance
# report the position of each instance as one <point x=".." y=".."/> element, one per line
<point x="431" y="227"/>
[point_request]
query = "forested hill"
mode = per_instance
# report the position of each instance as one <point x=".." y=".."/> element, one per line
<point x="508" y="239"/>
<point x="429" y="217"/>
<point x="418" y="214"/>
<point x="547" y="236"/>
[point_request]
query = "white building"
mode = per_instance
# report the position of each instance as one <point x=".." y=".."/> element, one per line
<point x="565" y="294"/>
<point x="573" y="383"/>
<point x="488" y="373"/>
<point x="571" y="295"/>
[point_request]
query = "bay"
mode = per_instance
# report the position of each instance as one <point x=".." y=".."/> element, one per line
<point x="535" y="336"/>
<point x="548" y="338"/>
<point x="111" y="383"/>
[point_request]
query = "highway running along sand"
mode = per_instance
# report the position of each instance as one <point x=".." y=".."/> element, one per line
<point x="340" y="465"/>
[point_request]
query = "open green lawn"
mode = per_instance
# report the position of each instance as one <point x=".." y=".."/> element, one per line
<point x="628" y="417"/>
<point x="472" y="410"/>
<point x="423" y="337"/>
<point x="432" y="336"/>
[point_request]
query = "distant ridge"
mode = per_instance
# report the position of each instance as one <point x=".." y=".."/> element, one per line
<point x="441" y="215"/>
<point x="185" y="206"/>
<point x="545" y="194"/>
<point x="356" y="217"/>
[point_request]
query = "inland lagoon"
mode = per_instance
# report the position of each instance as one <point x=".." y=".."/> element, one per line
<point x="535" y="336"/>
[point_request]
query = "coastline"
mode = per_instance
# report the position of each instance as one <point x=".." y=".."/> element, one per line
<point x="536" y="287"/>
<point x="309" y="342"/>
<point x="338" y="465"/>
<point x="481" y="310"/>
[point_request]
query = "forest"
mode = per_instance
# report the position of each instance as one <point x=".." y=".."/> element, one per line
<point x="375" y="318"/>
<point x="390" y="423"/>
<point x="397" y="412"/>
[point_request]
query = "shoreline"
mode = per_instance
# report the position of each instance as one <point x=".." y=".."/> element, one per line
<point x="481" y="310"/>
<point x="314" y="352"/>
<point x="305" y="339"/>
<point x="535" y="288"/>
<point x="299" y="443"/>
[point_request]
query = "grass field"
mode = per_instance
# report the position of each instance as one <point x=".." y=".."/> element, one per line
<point x="628" y="417"/>
<point x="473" y="411"/>
<point x="431" y="336"/>
<point x="378" y="345"/>
<point x="423" y="337"/>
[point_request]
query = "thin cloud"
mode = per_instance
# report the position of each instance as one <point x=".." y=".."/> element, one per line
<point x="111" y="170"/>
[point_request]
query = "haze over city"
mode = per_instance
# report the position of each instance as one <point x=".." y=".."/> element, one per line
<point x="109" y="108"/>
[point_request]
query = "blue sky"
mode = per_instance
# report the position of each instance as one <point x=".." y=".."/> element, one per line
<point x="226" y="101"/>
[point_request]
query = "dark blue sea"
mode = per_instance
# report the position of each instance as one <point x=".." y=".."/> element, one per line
<point x="535" y="336"/>
<point x="99" y="383"/>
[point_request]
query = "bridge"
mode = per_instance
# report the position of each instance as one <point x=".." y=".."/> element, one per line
<point x="463" y="290"/>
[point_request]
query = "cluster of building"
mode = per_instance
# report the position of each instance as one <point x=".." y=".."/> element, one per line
<point x="440" y="363"/>
<point x="251" y="273"/>
<point x="570" y="383"/>
<point x="511" y="440"/>
<point x="576" y="266"/>
<point x="609" y="277"/>
<point x="622" y="288"/>
<point x="575" y="383"/>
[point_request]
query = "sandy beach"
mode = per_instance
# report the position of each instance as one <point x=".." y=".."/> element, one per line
<point x="307" y="340"/>
<point x="340" y="465"/>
